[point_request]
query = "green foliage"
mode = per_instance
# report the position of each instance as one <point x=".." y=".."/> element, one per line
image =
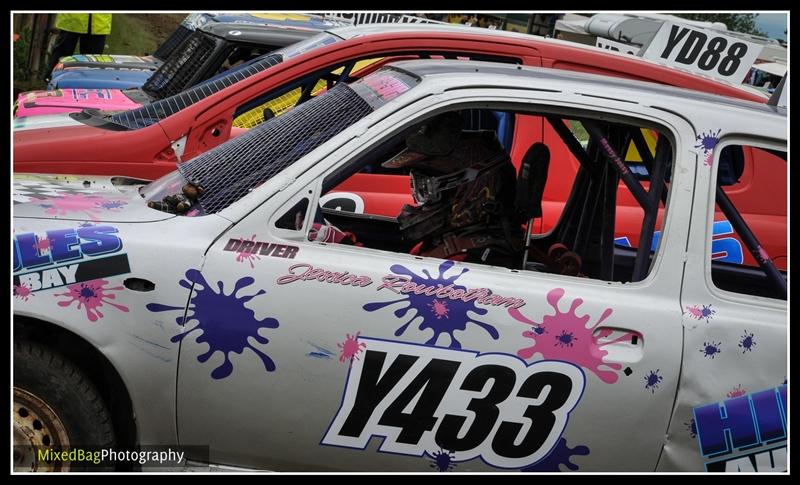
<point x="736" y="22"/>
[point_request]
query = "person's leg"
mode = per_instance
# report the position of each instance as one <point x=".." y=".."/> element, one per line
<point x="92" y="44"/>
<point x="64" y="46"/>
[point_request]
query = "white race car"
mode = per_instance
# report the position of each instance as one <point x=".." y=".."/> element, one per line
<point x="221" y="311"/>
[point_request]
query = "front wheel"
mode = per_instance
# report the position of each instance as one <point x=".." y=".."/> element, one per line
<point x="56" y="407"/>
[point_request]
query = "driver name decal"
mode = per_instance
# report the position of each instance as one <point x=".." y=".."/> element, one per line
<point x="423" y="399"/>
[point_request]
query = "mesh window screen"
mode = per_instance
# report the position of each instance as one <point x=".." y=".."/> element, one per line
<point x="174" y="75"/>
<point x="165" y="50"/>
<point x="231" y="170"/>
<point x="158" y="110"/>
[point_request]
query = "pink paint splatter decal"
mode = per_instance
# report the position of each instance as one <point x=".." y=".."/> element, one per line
<point x="42" y="245"/>
<point x="439" y="309"/>
<point x="246" y="255"/>
<point x="737" y="391"/>
<point x="22" y="292"/>
<point x="565" y="336"/>
<point x="707" y="142"/>
<point x="90" y="205"/>
<point x="350" y="348"/>
<point x="705" y="313"/>
<point x="91" y="295"/>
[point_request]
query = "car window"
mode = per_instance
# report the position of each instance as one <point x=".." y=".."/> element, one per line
<point x="230" y="171"/>
<point x="748" y="250"/>
<point x="471" y="202"/>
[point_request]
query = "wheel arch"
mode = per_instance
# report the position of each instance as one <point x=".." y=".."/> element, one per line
<point x="96" y="366"/>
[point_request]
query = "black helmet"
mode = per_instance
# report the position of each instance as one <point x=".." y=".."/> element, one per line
<point x="459" y="178"/>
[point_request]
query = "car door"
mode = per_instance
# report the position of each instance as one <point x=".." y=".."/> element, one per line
<point x="350" y="358"/>
<point x="731" y="411"/>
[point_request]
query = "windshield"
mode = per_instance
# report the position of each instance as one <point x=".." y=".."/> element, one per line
<point x="158" y="110"/>
<point x="230" y="171"/>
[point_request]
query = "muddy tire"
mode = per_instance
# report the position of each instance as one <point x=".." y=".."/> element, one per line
<point x="55" y="405"/>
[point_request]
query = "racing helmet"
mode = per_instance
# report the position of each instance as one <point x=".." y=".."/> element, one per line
<point x="459" y="178"/>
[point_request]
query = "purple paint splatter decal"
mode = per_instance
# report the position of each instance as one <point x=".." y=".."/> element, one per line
<point x="746" y="343"/>
<point x="691" y="427"/>
<point x="22" y="292"/>
<point x="246" y="255"/>
<point x="707" y="142"/>
<point x="350" y="348"/>
<point x="652" y="380"/>
<point x="442" y="319"/>
<point x="442" y="460"/>
<point x="737" y="391"/>
<point x="91" y="295"/>
<point x="705" y="313"/>
<point x="570" y="339"/>
<point x="711" y="349"/>
<point x="225" y="324"/>
<point x="561" y="455"/>
<point x="89" y="205"/>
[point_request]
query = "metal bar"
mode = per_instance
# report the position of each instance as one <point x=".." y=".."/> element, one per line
<point x="642" y="263"/>
<point x="750" y="240"/>
<point x="627" y="177"/>
<point x="611" y="181"/>
<point x="647" y="158"/>
<point x="574" y="145"/>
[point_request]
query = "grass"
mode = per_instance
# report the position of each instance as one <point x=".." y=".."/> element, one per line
<point x="132" y="34"/>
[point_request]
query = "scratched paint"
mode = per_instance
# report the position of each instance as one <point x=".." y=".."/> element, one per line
<point x="91" y="295"/>
<point x="439" y="317"/>
<point x="223" y="322"/>
<point x="566" y="336"/>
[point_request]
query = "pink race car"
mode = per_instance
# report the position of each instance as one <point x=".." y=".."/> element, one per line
<point x="63" y="101"/>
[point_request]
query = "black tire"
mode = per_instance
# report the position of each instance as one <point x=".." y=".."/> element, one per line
<point x="75" y="412"/>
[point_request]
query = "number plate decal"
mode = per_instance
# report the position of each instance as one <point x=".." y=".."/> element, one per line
<point x="421" y="399"/>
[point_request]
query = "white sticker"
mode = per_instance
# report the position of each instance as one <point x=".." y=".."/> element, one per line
<point x="703" y="51"/>
<point x="422" y="398"/>
<point x="615" y="46"/>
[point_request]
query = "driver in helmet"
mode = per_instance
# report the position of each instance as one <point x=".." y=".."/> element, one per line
<point x="463" y="183"/>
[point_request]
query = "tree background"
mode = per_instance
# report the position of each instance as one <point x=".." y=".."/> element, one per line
<point x="737" y="22"/>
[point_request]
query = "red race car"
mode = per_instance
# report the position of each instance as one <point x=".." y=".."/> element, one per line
<point x="148" y="141"/>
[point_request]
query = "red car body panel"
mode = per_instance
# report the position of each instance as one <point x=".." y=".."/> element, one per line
<point x="146" y="152"/>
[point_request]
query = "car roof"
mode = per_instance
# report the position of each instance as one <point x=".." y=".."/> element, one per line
<point x="353" y="31"/>
<point x="548" y="78"/>
<point x="258" y="34"/>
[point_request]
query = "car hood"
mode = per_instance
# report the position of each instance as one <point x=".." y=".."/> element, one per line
<point x="81" y="198"/>
<point x="100" y="78"/>
<point x="102" y="99"/>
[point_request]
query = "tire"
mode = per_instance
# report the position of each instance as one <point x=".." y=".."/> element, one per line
<point x="56" y="405"/>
